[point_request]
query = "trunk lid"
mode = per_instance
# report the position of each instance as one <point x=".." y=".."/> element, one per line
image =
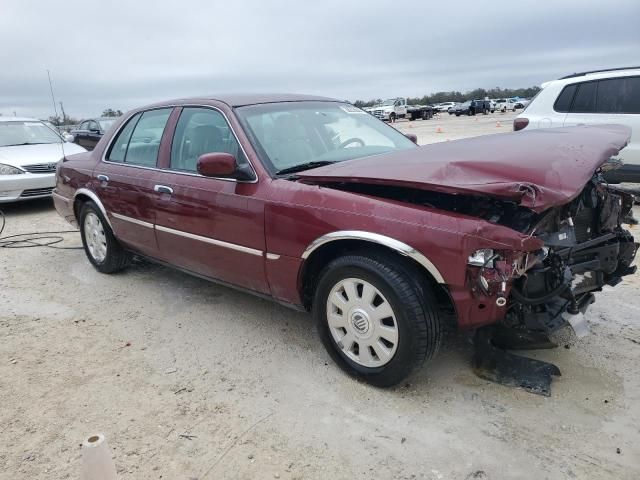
<point x="537" y="169"/>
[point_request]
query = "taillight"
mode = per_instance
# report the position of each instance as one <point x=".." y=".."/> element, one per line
<point x="520" y="123"/>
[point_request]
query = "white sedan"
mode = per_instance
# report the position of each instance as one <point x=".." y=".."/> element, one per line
<point x="29" y="153"/>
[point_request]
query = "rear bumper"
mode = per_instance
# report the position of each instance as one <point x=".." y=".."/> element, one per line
<point x="64" y="207"/>
<point x="626" y="173"/>
<point x="26" y="186"/>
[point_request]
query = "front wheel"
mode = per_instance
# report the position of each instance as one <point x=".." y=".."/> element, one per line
<point x="375" y="319"/>
<point x="102" y="248"/>
<point x="392" y="117"/>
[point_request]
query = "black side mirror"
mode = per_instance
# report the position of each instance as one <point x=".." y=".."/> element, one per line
<point x="412" y="136"/>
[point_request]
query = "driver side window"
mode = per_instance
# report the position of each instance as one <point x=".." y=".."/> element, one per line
<point x="202" y="130"/>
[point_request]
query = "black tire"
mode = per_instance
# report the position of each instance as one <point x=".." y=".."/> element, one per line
<point x="413" y="304"/>
<point x="116" y="258"/>
<point x="392" y="117"/>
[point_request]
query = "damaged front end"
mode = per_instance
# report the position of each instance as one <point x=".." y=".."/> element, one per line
<point x="584" y="248"/>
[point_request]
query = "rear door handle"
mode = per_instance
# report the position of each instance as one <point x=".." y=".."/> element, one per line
<point x="102" y="178"/>
<point x="163" y="189"/>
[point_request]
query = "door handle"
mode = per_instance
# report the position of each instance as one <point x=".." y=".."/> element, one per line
<point x="102" y="178"/>
<point x="163" y="189"/>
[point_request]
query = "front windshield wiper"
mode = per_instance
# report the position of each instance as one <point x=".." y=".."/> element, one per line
<point x="27" y="143"/>
<point x="303" y="166"/>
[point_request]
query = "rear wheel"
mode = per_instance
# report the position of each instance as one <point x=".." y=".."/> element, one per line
<point x="375" y="320"/>
<point x="103" y="250"/>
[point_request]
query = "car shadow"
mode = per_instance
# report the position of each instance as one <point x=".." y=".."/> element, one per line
<point x="37" y="205"/>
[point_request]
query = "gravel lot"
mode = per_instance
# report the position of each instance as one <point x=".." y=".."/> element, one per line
<point x="190" y="380"/>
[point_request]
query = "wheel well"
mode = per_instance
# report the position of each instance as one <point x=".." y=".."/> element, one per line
<point x="321" y="257"/>
<point x="80" y="200"/>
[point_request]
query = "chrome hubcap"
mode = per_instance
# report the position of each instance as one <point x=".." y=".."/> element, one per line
<point x="95" y="237"/>
<point x="362" y="322"/>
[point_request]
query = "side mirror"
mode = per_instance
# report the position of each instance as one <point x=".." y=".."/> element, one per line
<point x="68" y="137"/>
<point x="216" y="164"/>
<point x="412" y="136"/>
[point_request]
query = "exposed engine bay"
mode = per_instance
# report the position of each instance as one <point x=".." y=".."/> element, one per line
<point x="585" y="248"/>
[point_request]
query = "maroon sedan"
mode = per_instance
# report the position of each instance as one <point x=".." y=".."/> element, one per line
<point x="318" y="205"/>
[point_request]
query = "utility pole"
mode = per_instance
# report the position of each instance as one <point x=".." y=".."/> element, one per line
<point x="64" y="115"/>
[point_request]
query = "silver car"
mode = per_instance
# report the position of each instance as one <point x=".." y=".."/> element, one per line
<point x="29" y="153"/>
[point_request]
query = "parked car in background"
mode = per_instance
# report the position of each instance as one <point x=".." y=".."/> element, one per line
<point x="521" y="102"/>
<point x="315" y="203"/>
<point x="89" y="132"/>
<point x="416" y="112"/>
<point x="29" y="153"/>
<point x="605" y="96"/>
<point x="506" y="104"/>
<point x="395" y="108"/>
<point x="445" y="106"/>
<point x="472" y="107"/>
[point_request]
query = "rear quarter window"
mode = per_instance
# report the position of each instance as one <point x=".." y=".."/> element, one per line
<point x="563" y="102"/>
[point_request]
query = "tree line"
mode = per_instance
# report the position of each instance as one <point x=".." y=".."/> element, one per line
<point x="455" y="96"/>
<point x="64" y="119"/>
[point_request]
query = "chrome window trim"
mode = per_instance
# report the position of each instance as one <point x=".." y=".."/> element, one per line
<point x="168" y="170"/>
<point x="132" y="220"/>
<point x="212" y="241"/>
<point x="400" y="247"/>
<point x="96" y="200"/>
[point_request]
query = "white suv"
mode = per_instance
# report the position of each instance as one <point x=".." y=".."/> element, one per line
<point x="605" y="96"/>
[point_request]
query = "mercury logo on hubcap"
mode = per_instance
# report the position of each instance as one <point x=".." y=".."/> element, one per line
<point x="360" y="322"/>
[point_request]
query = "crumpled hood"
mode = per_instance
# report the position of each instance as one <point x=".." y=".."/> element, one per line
<point x="538" y="169"/>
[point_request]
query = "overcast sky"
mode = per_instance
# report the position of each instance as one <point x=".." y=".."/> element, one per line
<point x="122" y="54"/>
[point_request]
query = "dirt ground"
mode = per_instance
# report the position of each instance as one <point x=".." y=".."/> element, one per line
<point x="190" y="380"/>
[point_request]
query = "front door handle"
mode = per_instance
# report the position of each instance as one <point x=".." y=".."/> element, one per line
<point x="102" y="178"/>
<point x="163" y="189"/>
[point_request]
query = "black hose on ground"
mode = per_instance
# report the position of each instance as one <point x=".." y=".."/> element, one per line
<point x="33" y="239"/>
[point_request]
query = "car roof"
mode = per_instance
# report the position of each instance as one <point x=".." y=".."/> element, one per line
<point x="240" y="100"/>
<point x="594" y="75"/>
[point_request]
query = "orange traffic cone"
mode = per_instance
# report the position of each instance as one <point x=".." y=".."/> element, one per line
<point x="439" y="130"/>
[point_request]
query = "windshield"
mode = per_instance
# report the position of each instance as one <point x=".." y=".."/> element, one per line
<point x="26" y="133"/>
<point x="105" y="124"/>
<point x="293" y="134"/>
<point x="391" y="101"/>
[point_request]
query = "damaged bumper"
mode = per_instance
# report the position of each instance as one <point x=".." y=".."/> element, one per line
<point x="584" y="248"/>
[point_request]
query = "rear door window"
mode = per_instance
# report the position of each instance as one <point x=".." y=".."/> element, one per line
<point x="585" y="99"/>
<point x="118" y="148"/>
<point x="138" y="142"/>
<point x="619" y="95"/>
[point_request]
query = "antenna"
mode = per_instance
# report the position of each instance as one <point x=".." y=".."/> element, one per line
<point x="55" y="110"/>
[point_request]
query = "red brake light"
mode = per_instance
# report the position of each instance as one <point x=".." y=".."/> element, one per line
<point x="520" y="123"/>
